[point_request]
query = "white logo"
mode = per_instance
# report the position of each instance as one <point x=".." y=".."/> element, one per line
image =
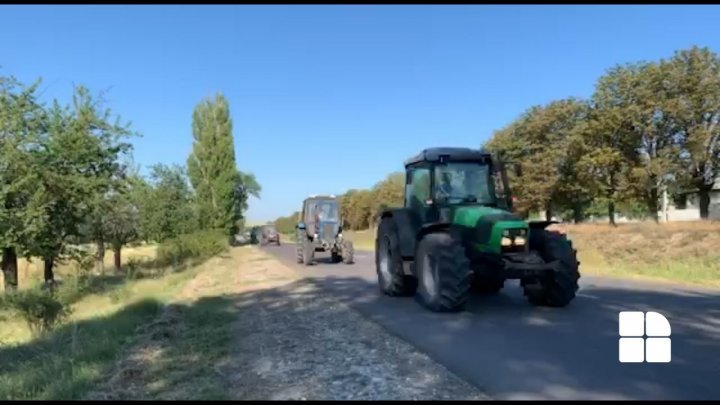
<point x="644" y="337"/>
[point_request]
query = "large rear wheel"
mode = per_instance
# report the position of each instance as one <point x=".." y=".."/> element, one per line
<point x="389" y="263"/>
<point x="443" y="273"/>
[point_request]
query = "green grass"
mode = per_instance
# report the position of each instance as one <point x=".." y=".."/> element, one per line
<point x="70" y="360"/>
<point x="188" y="367"/>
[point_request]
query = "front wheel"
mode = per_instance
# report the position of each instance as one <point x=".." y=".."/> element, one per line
<point x="348" y="252"/>
<point x="558" y="288"/>
<point x="443" y="273"/>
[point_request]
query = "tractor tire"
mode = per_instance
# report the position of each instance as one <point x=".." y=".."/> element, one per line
<point x="348" y="252"/>
<point x="559" y="289"/>
<point x="443" y="273"/>
<point x="308" y="253"/>
<point x="389" y="264"/>
<point x="487" y="285"/>
<point x="336" y="257"/>
<point x="299" y="244"/>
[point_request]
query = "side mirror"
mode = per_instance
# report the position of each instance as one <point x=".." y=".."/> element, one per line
<point x="518" y="170"/>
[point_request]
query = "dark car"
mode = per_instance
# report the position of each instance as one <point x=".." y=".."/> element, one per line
<point x="269" y="234"/>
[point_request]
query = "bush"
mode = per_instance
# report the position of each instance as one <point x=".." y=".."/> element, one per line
<point x="41" y="310"/>
<point x="198" y="245"/>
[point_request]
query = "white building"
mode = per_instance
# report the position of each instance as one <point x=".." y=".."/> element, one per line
<point x="686" y="206"/>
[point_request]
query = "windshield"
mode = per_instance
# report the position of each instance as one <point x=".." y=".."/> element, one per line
<point x="457" y="183"/>
<point x="326" y="211"/>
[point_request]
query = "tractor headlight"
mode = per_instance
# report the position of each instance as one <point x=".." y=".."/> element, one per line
<point x="315" y="236"/>
<point x="505" y="241"/>
<point x="340" y="236"/>
<point x="519" y="241"/>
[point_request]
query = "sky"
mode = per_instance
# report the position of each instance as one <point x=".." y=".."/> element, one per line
<point x="329" y="98"/>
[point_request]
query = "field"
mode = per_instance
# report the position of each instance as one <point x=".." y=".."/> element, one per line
<point x="683" y="252"/>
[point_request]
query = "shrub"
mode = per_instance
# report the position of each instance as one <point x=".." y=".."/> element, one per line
<point x="197" y="245"/>
<point x="41" y="310"/>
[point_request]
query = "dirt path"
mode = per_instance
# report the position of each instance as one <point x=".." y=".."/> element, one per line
<point x="288" y="340"/>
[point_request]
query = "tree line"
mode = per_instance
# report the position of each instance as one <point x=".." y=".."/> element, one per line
<point x="67" y="180"/>
<point x="648" y="127"/>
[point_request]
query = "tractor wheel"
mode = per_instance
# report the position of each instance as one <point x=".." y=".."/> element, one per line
<point x="308" y="252"/>
<point x="443" y="273"/>
<point x="348" y="252"/>
<point x="336" y="256"/>
<point x="389" y="264"/>
<point x="487" y="285"/>
<point x="560" y="287"/>
<point x="299" y="244"/>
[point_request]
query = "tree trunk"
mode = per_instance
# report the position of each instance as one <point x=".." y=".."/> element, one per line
<point x="578" y="216"/>
<point x="611" y="213"/>
<point x="117" y="258"/>
<point x="49" y="263"/>
<point x="10" y="269"/>
<point x="548" y="212"/>
<point x="100" y="258"/>
<point x="652" y="204"/>
<point x="704" y="195"/>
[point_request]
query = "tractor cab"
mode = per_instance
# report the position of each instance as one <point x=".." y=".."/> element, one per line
<point x="440" y="179"/>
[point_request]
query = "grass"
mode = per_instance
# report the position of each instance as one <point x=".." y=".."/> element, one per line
<point x="74" y="358"/>
<point x="679" y="252"/>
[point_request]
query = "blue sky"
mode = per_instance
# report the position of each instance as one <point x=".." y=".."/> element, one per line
<point x="328" y="98"/>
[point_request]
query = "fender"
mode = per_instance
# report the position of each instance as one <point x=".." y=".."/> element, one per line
<point x="540" y="224"/>
<point x="407" y="224"/>
<point x="431" y="227"/>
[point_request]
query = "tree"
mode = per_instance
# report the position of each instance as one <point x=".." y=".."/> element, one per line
<point x="212" y="168"/>
<point x="542" y="140"/>
<point x="609" y="147"/>
<point x="166" y="204"/>
<point x="76" y="167"/>
<point x="245" y="186"/>
<point x="22" y="121"/>
<point x="693" y="81"/>
<point x="122" y="219"/>
<point x="640" y="93"/>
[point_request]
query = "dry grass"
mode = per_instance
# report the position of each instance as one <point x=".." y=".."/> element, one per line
<point x="683" y="252"/>
<point x="31" y="272"/>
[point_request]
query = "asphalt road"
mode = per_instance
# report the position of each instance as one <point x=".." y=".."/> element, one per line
<point x="513" y="350"/>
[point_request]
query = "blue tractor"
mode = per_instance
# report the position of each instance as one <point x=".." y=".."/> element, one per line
<point x="320" y="230"/>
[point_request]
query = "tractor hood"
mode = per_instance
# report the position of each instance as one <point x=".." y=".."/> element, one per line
<point x="486" y="225"/>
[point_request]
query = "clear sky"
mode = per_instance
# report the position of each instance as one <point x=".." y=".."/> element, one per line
<point x="327" y="98"/>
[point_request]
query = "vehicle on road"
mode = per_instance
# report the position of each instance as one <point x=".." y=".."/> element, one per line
<point x="456" y="233"/>
<point x="319" y="229"/>
<point x="269" y="234"/>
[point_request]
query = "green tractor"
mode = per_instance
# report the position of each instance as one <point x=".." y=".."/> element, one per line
<point x="457" y="233"/>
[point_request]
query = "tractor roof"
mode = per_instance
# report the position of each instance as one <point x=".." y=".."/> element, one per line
<point x="321" y="197"/>
<point x="450" y="154"/>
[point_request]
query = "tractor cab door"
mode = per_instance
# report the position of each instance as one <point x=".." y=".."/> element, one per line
<point x="501" y="186"/>
<point x="418" y="196"/>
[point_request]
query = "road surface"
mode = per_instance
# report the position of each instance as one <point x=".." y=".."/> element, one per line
<point x="513" y="350"/>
